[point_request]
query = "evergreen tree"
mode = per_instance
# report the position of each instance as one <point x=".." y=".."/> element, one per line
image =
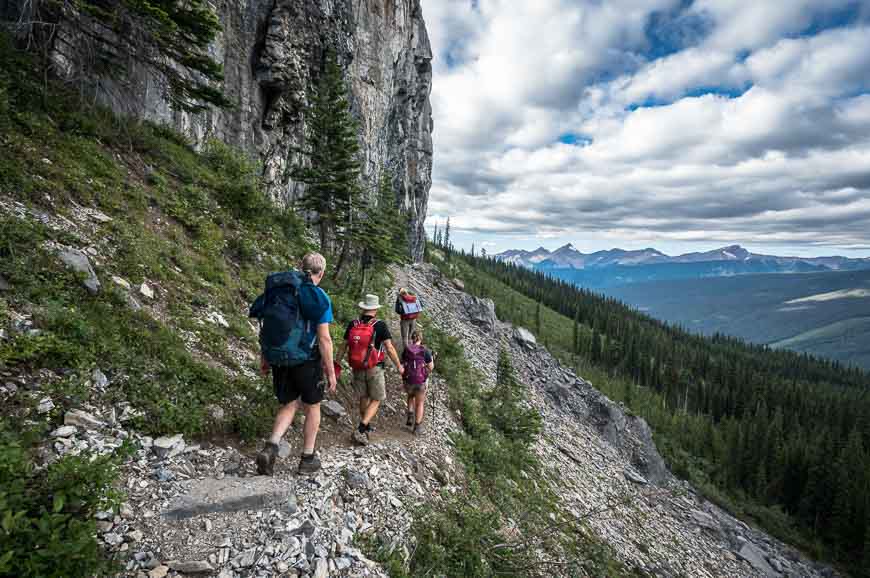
<point x="447" y="235"/>
<point x="169" y="37"/>
<point x="332" y="174"/>
<point x="381" y="229"/>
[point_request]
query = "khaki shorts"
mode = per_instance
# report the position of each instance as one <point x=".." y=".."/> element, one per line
<point x="370" y="384"/>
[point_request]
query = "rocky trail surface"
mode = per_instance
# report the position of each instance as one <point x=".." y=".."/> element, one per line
<point x="197" y="507"/>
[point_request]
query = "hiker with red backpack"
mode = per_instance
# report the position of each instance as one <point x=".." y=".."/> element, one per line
<point x="419" y="364"/>
<point x="366" y="341"/>
<point x="294" y="315"/>
<point x="408" y="307"/>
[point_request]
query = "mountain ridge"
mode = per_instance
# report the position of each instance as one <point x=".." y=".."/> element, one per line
<point x="568" y="257"/>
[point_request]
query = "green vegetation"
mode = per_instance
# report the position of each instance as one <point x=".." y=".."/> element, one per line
<point x="48" y="515"/>
<point x="773" y="435"/>
<point x="196" y="227"/>
<point x="168" y="37"/>
<point x="352" y="222"/>
<point x="507" y="520"/>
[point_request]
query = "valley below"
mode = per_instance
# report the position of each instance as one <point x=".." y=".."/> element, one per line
<point x="824" y="314"/>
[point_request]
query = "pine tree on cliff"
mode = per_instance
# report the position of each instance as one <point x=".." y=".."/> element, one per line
<point x="106" y="37"/>
<point x="332" y="174"/>
<point x="381" y="230"/>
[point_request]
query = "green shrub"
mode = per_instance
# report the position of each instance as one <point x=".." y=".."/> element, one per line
<point x="47" y="516"/>
<point x="236" y="181"/>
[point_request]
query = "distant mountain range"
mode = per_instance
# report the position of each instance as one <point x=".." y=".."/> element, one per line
<point x="617" y="267"/>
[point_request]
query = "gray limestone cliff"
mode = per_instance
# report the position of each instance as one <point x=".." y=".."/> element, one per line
<point x="272" y="52"/>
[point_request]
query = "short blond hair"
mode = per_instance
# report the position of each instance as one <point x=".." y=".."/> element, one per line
<point x="313" y="263"/>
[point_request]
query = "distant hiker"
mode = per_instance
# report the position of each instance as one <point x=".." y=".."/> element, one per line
<point x="294" y="341"/>
<point x="419" y="364"/>
<point x="365" y="341"/>
<point x="408" y="307"/>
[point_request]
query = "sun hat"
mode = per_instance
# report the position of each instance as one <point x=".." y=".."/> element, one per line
<point x="371" y="302"/>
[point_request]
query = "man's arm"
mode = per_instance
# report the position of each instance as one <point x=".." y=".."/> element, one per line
<point x="394" y="357"/>
<point x="324" y="342"/>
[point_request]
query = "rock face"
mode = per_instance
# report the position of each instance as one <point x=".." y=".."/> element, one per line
<point x="272" y="53"/>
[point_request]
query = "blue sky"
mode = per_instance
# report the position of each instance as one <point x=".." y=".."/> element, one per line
<point x="683" y="125"/>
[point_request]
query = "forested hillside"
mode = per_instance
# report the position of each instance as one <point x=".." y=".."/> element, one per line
<point x="825" y="314"/>
<point x="777" y="435"/>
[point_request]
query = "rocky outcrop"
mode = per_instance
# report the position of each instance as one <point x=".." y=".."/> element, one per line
<point x="272" y="53"/>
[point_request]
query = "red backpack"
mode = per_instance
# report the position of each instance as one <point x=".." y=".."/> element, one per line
<point x="361" y="342"/>
<point x="410" y="307"/>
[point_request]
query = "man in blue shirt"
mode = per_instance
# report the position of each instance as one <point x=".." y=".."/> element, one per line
<point x="302" y="383"/>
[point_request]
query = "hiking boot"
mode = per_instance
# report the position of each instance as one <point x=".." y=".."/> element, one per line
<point x="266" y="459"/>
<point x="409" y="418"/>
<point x="419" y="429"/>
<point x="360" y="438"/>
<point x="309" y="465"/>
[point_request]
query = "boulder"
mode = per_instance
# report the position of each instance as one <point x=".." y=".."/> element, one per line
<point x="168" y="446"/>
<point x="194" y="567"/>
<point x="230" y="494"/>
<point x="560" y="391"/>
<point x="525" y="337"/>
<point x="458" y="284"/>
<point x="756" y="558"/>
<point x="481" y="312"/>
<point x="332" y="408"/>
<point x="79" y="262"/>
<point x="64" y="431"/>
<point x="634" y="477"/>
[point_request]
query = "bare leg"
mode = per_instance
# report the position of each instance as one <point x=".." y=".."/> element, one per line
<point x="312" y="424"/>
<point x="419" y="400"/>
<point x="371" y="411"/>
<point x="363" y="406"/>
<point x="284" y="420"/>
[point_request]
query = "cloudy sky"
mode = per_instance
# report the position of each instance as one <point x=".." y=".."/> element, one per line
<point x="678" y="124"/>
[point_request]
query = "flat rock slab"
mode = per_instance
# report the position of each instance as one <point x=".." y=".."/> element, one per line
<point x="756" y="557"/>
<point x="230" y="494"/>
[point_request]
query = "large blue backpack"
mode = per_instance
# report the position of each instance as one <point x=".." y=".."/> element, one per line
<point x="288" y="311"/>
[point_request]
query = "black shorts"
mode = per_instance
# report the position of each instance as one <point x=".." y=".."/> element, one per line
<point x="298" y="381"/>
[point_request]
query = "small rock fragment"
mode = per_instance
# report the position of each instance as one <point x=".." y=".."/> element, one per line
<point x="82" y="419"/>
<point x="158" y="572"/>
<point x="45" y="405"/>
<point x="146" y="290"/>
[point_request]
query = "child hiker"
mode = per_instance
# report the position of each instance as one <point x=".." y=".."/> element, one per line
<point x="418" y="363"/>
